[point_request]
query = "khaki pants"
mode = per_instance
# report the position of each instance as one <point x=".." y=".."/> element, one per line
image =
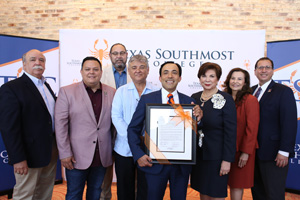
<point x="38" y="183"/>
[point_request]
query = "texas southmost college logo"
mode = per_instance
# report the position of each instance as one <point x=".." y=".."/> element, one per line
<point x="102" y="52"/>
<point x="289" y="75"/>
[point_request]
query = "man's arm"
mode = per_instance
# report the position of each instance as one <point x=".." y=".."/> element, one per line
<point x="62" y="130"/>
<point x="288" y="126"/>
<point x="11" y="125"/>
<point x="118" y="116"/>
<point x="135" y="131"/>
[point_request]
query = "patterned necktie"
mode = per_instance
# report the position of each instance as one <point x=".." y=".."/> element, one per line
<point x="258" y="92"/>
<point x="171" y="99"/>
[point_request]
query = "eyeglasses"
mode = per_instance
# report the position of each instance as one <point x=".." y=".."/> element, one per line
<point x="264" y="67"/>
<point x="122" y="53"/>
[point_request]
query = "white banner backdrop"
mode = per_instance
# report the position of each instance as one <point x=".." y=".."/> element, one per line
<point x="189" y="48"/>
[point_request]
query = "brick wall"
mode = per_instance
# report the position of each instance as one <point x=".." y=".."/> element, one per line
<point x="44" y="18"/>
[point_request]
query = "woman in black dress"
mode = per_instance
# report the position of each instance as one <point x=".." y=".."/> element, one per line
<point x="217" y="137"/>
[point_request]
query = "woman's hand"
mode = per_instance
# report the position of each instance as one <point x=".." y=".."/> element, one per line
<point x="225" y="168"/>
<point x="243" y="160"/>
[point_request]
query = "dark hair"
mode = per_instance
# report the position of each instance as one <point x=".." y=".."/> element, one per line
<point x="264" y="58"/>
<point x="170" y="62"/>
<point x="245" y="89"/>
<point x="90" y="58"/>
<point x="208" y="65"/>
<point x="116" y="45"/>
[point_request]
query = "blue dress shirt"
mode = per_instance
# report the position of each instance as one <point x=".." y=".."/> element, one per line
<point x="120" y="79"/>
<point x="124" y="104"/>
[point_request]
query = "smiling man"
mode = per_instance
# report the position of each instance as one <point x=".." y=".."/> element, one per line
<point x="84" y="131"/>
<point x="276" y="134"/>
<point x="27" y="128"/>
<point x="116" y="74"/>
<point x="158" y="175"/>
<point x="124" y="105"/>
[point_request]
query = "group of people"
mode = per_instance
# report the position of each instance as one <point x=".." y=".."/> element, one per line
<point x="245" y="135"/>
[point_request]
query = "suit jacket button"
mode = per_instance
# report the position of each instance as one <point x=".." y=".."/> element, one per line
<point x="98" y="129"/>
<point x="94" y="141"/>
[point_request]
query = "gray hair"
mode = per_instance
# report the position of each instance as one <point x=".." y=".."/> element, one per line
<point x="139" y="58"/>
<point x="24" y="57"/>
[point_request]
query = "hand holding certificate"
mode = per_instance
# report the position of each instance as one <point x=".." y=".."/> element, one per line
<point x="170" y="133"/>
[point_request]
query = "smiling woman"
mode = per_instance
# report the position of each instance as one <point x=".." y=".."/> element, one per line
<point x="217" y="141"/>
<point x="241" y="175"/>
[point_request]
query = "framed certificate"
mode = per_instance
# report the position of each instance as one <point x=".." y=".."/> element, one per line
<point x="170" y="135"/>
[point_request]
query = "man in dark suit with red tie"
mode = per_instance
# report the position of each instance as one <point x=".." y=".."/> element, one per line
<point x="158" y="175"/>
<point x="27" y="128"/>
<point x="276" y="134"/>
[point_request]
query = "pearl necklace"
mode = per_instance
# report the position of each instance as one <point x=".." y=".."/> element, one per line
<point x="206" y="98"/>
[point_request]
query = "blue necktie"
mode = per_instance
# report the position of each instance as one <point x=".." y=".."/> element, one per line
<point x="258" y="92"/>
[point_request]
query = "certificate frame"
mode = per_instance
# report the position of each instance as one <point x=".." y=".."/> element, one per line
<point x="170" y="136"/>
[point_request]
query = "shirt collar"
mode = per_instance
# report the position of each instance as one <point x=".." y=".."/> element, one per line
<point x="88" y="88"/>
<point x="165" y="93"/>
<point x="35" y="80"/>
<point x="124" y="71"/>
<point x="265" y="85"/>
<point x="131" y="86"/>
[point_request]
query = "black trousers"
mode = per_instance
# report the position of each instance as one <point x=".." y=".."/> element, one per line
<point x="129" y="179"/>
<point x="269" y="181"/>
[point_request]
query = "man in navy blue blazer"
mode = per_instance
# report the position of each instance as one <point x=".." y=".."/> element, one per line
<point x="158" y="175"/>
<point x="276" y="134"/>
<point x="27" y="127"/>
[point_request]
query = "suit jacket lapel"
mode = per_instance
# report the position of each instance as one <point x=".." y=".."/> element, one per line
<point x="51" y="91"/>
<point x="180" y="97"/>
<point x="253" y="89"/>
<point x="87" y="101"/>
<point x="28" y="82"/>
<point x="267" y="93"/>
<point x="104" y="102"/>
<point x="158" y="97"/>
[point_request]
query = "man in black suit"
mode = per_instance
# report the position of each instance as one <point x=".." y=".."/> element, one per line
<point x="27" y="128"/>
<point x="276" y="134"/>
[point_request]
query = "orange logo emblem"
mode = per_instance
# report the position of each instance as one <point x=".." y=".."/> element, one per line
<point x="294" y="85"/>
<point x="100" y="53"/>
<point x="247" y="64"/>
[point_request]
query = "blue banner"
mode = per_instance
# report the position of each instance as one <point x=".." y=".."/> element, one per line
<point x="286" y="57"/>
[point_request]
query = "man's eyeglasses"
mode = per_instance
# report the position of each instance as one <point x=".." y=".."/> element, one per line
<point x="264" y="67"/>
<point x="122" y="53"/>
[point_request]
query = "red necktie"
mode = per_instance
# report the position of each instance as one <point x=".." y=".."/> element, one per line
<point x="171" y="99"/>
<point x="257" y="92"/>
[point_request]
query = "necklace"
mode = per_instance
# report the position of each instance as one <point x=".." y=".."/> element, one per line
<point x="204" y="99"/>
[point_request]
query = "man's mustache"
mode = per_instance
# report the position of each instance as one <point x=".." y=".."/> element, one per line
<point x="38" y="67"/>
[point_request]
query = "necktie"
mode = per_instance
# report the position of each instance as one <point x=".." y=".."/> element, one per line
<point x="171" y="99"/>
<point x="258" y="92"/>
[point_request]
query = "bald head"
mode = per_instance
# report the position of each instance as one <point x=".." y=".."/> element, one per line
<point x="34" y="63"/>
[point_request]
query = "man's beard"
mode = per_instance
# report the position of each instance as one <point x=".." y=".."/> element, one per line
<point x="120" y="66"/>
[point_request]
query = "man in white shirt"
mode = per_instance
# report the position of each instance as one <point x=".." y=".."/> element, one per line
<point x="123" y="107"/>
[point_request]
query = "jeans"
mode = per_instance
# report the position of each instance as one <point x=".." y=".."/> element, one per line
<point x="76" y="179"/>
